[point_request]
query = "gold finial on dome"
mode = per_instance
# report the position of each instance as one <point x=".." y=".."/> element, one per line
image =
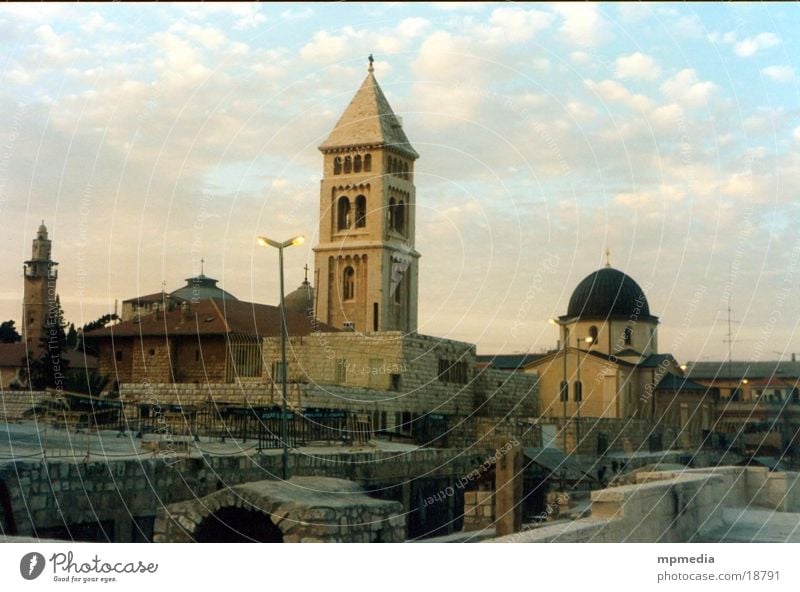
<point x="371" y="60"/>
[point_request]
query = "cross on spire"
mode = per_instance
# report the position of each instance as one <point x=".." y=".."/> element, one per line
<point x="305" y="267"/>
<point x="608" y="257"/>
<point x="202" y="262"/>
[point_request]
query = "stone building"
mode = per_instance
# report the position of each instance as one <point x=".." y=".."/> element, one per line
<point x="39" y="295"/>
<point x="365" y="260"/>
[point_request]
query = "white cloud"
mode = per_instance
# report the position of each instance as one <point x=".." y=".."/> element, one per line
<point x="614" y="92"/>
<point x="779" y="73"/>
<point x="689" y="26"/>
<point x="413" y="27"/>
<point x="583" y="24"/>
<point x="637" y="65"/>
<point x="686" y="89"/>
<point x="796" y="134"/>
<point x="297" y="15"/>
<point x="514" y="25"/>
<point x="752" y="45"/>
<point x="580" y="57"/>
<point x="325" y="47"/>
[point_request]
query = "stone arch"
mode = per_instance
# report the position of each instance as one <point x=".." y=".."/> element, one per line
<point x="238" y="525"/>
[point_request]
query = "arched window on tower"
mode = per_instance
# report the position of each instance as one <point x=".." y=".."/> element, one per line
<point x="367" y="163"/>
<point x="348" y="165"/>
<point x="405" y="171"/>
<point x="392" y="212"/>
<point x="357" y="163"/>
<point x="337" y="165"/>
<point x="398" y="292"/>
<point x="343" y="213"/>
<point x="361" y="211"/>
<point x="400" y="217"/>
<point x="628" y="335"/>
<point x="348" y="284"/>
<point x="593" y="334"/>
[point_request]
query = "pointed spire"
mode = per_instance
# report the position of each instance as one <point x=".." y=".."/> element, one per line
<point x="369" y="121"/>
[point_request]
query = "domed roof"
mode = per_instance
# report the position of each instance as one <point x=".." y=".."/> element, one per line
<point x="301" y="300"/>
<point x="609" y="293"/>
<point x="201" y="287"/>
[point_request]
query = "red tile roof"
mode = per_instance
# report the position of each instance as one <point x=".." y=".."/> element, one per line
<point x="16" y="355"/>
<point x="214" y="317"/>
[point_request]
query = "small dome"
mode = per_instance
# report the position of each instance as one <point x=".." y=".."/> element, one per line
<point x="608" y="293"/>
<point x="301" y="300"/>
<point x="201" y="287"/>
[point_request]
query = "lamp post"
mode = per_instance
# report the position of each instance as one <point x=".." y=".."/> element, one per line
<point x="579" y="388"/>
<point x="564" y="388"/>
<point x="266" y="242"/>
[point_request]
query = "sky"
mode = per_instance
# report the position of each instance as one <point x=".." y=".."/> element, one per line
<point x="149" y="137"/>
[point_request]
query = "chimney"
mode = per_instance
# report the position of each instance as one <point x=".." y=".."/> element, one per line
<point x="187" y="312"/>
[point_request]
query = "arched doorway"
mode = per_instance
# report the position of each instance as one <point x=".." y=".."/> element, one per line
<point x="238" y="525"/>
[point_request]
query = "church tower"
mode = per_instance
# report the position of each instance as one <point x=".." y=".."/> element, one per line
<point x="39" y="289"/>
<point x="366" y="262"/>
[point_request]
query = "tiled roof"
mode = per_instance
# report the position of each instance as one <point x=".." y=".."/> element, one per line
<point x="214" y="317"/>
<point x="508" y="361"/>
<point x="16" y="355"/>
<point x="369" y="121"/>
<point x="736" y="370"/>
<point x="673" y="382"/>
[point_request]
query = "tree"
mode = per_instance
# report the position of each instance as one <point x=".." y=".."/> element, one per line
<point x="50" y="369"/>
<point x="8" y="332"/>
<point x="101" y="322"/>
<point x="72" y="337"/>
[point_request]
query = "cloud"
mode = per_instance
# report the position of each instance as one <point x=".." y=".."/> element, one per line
<point x="752" y="45"/>
<point x="686" y="89"/>
<point x="637" y="65"/>
<point x="796" y="134"/>
<point x="614" y="92"/>
<point x="582" y="24"/>
<point x="413" y="27"/>
<point x="325" y="47"/>
<point x="508" y="25"/>
<point x="779" y="73"/>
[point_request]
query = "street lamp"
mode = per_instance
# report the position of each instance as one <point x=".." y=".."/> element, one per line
<point x="579" y="389"/>
<point x="266" y="242"/>
<point x="564" y="389"/>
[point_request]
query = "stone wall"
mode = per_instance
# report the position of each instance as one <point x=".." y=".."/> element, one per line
<point x="15" y="405"/>
<point x="669" y="507"/>
<point x="48" y="495"/>
<point x="622" y="435"/>
<point x="305" y="510"/>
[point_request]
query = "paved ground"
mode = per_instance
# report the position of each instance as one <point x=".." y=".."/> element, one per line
<point x="756" y="526"/>
<point x="31" y="440"/>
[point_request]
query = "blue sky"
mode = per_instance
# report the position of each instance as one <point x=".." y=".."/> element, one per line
<point x="149" y="137"/>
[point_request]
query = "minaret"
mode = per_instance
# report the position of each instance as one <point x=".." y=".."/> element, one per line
<point x="366" y="260"/>
<point x="39" y="290"/>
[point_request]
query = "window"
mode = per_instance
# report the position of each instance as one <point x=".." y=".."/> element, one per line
<point x="337" y="165"/>
<point x="343" y="213"/>
<point x="357" y="163"/>
<point x="374" y="316"/>
<point x="628" y="334"/>
<point x="578" y="390"/>
<point x="392" y="212"/>
<point x="395" y="382"/>
<point x="151" y="352"/>
<point x="341" y="371"/>
<point x="361" y="211"/>
<point x="118" y="355"/>
<point x="563" y="391"/>
<point x="348" y="165"/>
<point x="453" y="372"/>
<point x="348" y="284"/>
<point x="593" y="333"/>
<point x="400" y="217"/>
<point x="405" y="172"/>
<point x="367" y="162"/>
<point x="197" y="355"/>
<point x="398" y="293"/>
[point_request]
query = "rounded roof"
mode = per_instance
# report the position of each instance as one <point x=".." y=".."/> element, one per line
<point x="609" y="293"/>
<point x="301" y="300"/>
<point x="201" y="287"/>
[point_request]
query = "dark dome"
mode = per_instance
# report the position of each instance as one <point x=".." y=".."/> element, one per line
<point x="201" y="287"/>
<point x="609" y="293"/>
<point x="301" y="300"/>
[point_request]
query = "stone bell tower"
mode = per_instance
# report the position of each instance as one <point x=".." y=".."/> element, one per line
<point x="366" y="262"/>
<point x="39" y="293"/>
